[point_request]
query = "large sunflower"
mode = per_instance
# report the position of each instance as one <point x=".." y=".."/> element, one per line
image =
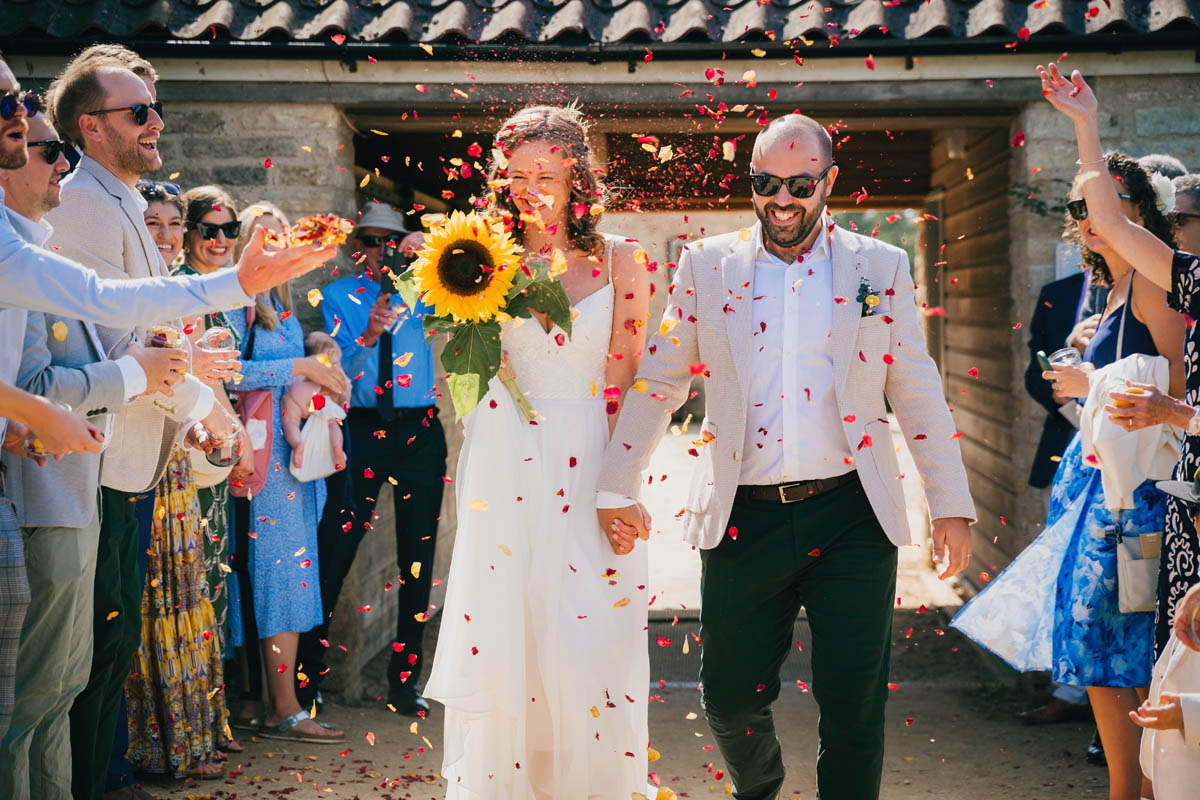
<point x="466" y="268"/>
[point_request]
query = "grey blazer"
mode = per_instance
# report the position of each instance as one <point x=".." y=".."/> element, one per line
<point x="100" y="224"/>
<point x="75" y="371"/>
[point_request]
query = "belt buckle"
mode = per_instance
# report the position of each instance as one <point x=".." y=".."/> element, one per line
<point x="783" y="497"/>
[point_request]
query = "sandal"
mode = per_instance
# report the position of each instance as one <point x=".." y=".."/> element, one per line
<point x="286" y="730"/>
<point x="204" y="772"/>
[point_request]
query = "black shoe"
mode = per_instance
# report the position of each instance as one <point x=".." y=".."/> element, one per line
<point x="408" y="702"/>
<point x="1095" y="752"/>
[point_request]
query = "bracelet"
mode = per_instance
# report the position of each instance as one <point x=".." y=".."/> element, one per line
<point x="1079" y="163"/>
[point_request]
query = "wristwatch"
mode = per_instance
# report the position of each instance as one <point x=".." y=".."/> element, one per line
<point x="1193" y="426"/>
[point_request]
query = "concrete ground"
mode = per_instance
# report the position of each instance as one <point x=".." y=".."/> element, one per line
<point x="952" y="731"/>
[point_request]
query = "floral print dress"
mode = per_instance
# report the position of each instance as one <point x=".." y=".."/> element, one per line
<point x="1179" y="568"/>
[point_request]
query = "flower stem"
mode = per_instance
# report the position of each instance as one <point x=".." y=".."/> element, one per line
<point x="518" y="396"/>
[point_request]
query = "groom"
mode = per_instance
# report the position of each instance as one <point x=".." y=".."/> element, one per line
<point x="802" y="329"/>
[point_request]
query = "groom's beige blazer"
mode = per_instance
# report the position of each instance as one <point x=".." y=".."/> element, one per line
<point x="710" y="310"/>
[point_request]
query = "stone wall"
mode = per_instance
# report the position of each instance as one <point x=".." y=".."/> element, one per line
<point x="1138" y="116"/>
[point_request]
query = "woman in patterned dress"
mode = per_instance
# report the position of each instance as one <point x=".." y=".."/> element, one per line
<point x="1178" y="273"/>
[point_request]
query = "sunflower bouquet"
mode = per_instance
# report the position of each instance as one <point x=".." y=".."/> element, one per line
<point x="471" y="272"/>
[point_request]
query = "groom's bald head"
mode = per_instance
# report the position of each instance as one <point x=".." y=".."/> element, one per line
<point x="795" y="132"/>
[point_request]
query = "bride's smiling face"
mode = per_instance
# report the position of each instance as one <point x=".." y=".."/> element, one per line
<point x="539" y="182"/>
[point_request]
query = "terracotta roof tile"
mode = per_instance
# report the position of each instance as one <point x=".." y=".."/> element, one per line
<point x="589" y="21"/>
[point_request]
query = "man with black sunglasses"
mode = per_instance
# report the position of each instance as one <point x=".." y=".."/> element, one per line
<point x="394" y="435"/>
<point x="804" y="329"/>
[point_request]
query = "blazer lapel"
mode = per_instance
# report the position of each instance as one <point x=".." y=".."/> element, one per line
<point x="737" y="274"/>
<point x="150" y="258"/>
<point x="848" y="274"/>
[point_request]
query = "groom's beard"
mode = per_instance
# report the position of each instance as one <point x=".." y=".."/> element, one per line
<point x="794" y="232"/>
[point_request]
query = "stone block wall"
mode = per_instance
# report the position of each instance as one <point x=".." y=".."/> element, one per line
<point x="1138" y="116"/>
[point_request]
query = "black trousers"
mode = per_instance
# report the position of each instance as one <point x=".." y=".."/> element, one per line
<point x="117" y="626"/>
<point x="410" y="449"/>
<point x="829" y="555"/>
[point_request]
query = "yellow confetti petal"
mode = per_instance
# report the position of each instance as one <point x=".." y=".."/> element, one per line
<point x="173" y="176"/>
<point x="640" y="385"/>
<point x="416" y="569"/>
<point x="112" y="615"/>
<point x="750" y="77"/>
<point x="686" y="649"/>
<point x="59" y="329"/>
<point x="744" y="234"/>
<point x="504" y="549"/>
<point x="413" y="729"/>
<point x="595" y="711"/>
<point x="427" y="48"/>
<point x="652" y="754"/>
<point x="315" y="297"/>
<point x="306" y="148"/>
<point x="664" y="794"/>
<point x="757" y="53"/>
<point x="728" y="150"/>
<point x="366" y="179"/>
<point x="378" y="133"/>
<point x="370" y="738"/>
<point x="667" y="326"/>
<point x="478" y="505"/>
<point x="624" y="601"/>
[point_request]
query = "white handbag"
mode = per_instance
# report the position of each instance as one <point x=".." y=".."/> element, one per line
<point x="1137" y="571"/>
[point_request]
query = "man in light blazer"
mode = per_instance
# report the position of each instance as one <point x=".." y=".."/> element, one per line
<point x="801" y="329"/>
<point x="111" y="114"/>
<point x="63" y="360"/>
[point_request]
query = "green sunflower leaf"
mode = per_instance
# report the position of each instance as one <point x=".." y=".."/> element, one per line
<point x="432" y="326"/>
<point x="547" y="295"/>
<point x="406" y="287"/>
<point x="471" y="358"/>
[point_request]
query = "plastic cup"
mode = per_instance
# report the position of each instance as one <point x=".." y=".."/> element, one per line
<point x="1128" y="390"/>
<point x="1068" y="356"/>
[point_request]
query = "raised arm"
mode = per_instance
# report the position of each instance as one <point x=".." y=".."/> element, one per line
<point x="1145" y="251"/>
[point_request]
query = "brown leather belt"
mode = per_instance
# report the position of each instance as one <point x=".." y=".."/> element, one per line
<point x="794" y="492"/>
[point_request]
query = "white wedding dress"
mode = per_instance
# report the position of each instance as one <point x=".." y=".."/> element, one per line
<point x="541" y="659"/>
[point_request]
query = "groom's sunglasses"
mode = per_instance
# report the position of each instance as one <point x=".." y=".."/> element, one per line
<point x="1078" y="208"/>
<point x="140" y="111"/>
<point x="11" y="101"/>
<point x="798" y="186"/>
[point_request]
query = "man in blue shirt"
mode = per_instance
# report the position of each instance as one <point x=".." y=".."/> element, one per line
<point x="393" y="432"/>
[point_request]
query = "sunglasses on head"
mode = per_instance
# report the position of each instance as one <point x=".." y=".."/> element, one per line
<point x="51" y="149"/>
<point x="1078" y="208"/>
<point x="140" y="111"/>
<point x="11" y="101"/>
<point x="799" y="186"/>
<point x="374" y="241"/>
<point x="209" y="230"/>
<point x="153" y="186"/>
<point x="1179" y="216"/>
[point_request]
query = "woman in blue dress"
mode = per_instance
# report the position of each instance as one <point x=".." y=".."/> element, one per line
<point x="282" y="556"/>
<point x="1079" y="632"/>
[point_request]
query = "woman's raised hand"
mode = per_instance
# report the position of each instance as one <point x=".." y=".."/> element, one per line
<point x="1069" y="381"/>
<point x="1072" y="97"/>
<point x="329" y="377"/>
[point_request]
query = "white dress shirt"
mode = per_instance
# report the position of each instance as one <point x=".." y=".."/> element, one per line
<point x="793" y="431"/>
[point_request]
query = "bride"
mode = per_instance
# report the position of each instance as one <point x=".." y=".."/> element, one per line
<point x="541" y="660"/>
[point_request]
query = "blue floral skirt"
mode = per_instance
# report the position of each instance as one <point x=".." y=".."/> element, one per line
<point x="1055" y="607"/>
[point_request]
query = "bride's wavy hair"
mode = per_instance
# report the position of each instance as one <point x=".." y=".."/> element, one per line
<point x="566" y="128"/>
<point x="1135" y="182"/>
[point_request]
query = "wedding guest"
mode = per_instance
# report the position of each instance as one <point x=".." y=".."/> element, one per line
<point x="62" y="360"/>
<point x="393" y="432"/>
<point x="164" y="218"/>
<point x="1176" y="271"/>
<point x="177" y="714"/>
<point x="282" y="554"/>
<point x="1171" y="714"/>
<point x="111" y="114"/>
<point x="1186" y="214"/>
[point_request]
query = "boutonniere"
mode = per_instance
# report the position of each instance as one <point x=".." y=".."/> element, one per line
<point x="868" y="297"/>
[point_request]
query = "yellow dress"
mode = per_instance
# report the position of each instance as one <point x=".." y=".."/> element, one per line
<point x="177" y="712"/>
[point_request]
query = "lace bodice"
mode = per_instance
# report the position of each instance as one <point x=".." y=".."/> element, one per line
<point x="555" y="366"/>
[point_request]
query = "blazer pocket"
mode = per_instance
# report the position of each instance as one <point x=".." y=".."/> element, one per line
<point x="700" y="495"/>
<point x="886" y="462"/>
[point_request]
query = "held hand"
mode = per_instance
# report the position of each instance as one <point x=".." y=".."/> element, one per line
<point x="260" y="270"/>
<point x="1069" y="381"/>
<point x="1072" y="97"/>
<point x="951" y="545"/>
<point x="1083" y="332"/>
<point x="624" y="526"/>
<point x="215" y="366"/>
<point x="330" y="378"/>
<point x="164" y="366"/>
<point x="1166" y="716"/>
<point x="20" y="441"/>
<point x="59" y="432"/>
<point x="1142" y="406"/>
<point x="382" y="317"/>
<point x="412" y="243"/>
<point x="1187" y="618"/>
<point x="220" y="421"/>
<point x="197" y="438"/>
